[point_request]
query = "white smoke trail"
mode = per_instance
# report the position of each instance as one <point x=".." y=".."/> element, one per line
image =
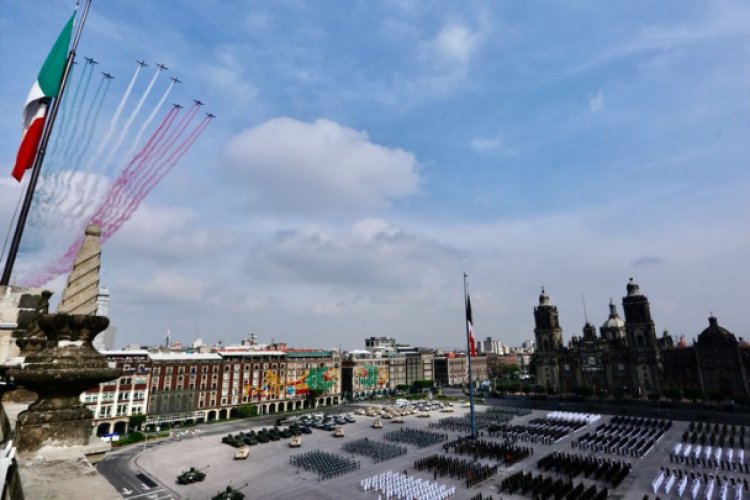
<point x="148" y="121"/>
<point x="115" y="119"/>
<point x="129" y="123"/>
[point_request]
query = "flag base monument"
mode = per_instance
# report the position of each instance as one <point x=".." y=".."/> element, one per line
<point x="53" y="436"/>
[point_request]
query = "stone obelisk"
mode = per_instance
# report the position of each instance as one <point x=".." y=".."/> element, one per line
<point x="80" y="293"/>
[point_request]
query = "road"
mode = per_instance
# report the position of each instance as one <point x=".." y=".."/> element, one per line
<point x="120" y="466"/>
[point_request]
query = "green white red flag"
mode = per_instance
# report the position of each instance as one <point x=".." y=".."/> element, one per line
<point x="46" y="86"/>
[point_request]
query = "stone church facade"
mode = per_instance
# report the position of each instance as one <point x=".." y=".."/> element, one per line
<point x="628" y="357"/>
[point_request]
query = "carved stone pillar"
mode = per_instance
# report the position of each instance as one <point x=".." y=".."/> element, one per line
<point x="66" y="366"/>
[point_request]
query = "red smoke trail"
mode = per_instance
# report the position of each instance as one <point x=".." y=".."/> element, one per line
<point x="156" y="176"/>
<point x="63" y="264"/>
<point x="145" y="170"/>
<point x="112" y="200"/>
<point x="119" y="201"/>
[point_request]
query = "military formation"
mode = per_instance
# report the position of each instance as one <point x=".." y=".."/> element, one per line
<point x="416" y="437"/>
<point x="491" y="418"/>
<point x="379" y="452"/>
<point x="624" y="436"/>
<point x="326" y="465"/>
<point x="697" y="484"/>
<point x="456" y="468"/>
<point x="506" y="453"/>
<point x="597" y="468"/>
<point x="543" y="486"/>
<point x="545" y="430"/>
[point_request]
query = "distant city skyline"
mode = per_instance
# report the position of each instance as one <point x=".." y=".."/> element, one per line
<point x="364" y="156"/>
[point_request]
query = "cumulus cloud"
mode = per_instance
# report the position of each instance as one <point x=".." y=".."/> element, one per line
<point x="369" y="255"/>
<point x="455" y="44"/>
<point x="288" y="165"/>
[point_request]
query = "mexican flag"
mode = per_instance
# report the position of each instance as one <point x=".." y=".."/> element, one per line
<point x="46" y="86"/>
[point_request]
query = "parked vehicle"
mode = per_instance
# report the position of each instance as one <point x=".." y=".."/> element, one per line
<point x="242" y="453"/>
<point x="296" y="442"/>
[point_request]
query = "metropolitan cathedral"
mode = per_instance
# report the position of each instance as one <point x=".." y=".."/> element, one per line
<point x="628" y="356"/>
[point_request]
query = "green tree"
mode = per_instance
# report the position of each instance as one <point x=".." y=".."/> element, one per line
<point x="246" y="411"/>
<point x="136" y="421"/>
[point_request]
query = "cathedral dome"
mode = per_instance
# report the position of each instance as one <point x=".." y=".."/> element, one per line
<point x="716" y="334"/>
<point x="614" y="321"/>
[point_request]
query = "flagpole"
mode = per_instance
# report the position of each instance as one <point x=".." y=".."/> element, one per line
<point x="468" y="355"/>
<point x="37" y="167"/>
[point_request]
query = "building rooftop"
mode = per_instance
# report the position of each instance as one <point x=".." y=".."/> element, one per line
<point x="184" y="356"/>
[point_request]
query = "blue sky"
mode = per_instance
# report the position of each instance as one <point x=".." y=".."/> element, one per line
<point x="366" y="154"/>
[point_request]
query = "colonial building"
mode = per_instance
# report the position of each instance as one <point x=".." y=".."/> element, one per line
<point x="717" y="364"/>
<point x="625" y="356"/>
<point x="364" y="374"/>
<point x="115" y="401"/>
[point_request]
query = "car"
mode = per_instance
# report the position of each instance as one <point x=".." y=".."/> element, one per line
<point x="350" y="419"/>
<point x="306" y="430"/>
<point x="329" y="427"/>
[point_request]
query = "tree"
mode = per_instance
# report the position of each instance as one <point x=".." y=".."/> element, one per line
<point x="136" y="421"/>
<point x="246" y="411"/>
<point x="674" y="394"/>
<point x="424" y="384"/>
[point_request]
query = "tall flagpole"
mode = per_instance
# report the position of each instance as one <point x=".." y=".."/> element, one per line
<point x="37" y="167"/>
<point x="468" y="355"/>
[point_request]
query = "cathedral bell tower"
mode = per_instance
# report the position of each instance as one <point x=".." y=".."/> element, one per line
<point x="549" y="344"/>
<point x="642" y="342"/>
<point x="547" y="326"/>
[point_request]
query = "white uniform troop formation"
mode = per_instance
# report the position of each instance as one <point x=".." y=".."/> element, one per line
<point x="582" y="418"/>
<point x="396" y="485"/>
<point x="707" y="456"/>
<point x="727" y="489"/>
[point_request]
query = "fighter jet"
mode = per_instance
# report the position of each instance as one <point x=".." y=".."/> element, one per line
<point x="177" y="106"/>
<point x="161" y="66"/>
<point x="198" y="102"/>
<point x="210" y="115"/>
<point x="108" y="76"/>
<point x="90" y="60"/>
<point x="142" y="64"/>
<point x="175" y="79"/>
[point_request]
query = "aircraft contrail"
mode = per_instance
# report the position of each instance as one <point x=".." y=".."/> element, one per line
<point x="153" y="157"/>
<point x="156" y="176"/>
<point x="112" y="202"/>
<point x="148" y="121"/>
<point x="115" y="118"/>
<point x="62" y="264"/>
<point x="77" y="106"/>
<point x="132" y="116"/>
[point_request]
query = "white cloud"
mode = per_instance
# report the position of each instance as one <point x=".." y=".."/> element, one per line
<point x="456" y="44"/>
<point x="288" y="165"/>
<point x="371" y="256"/>
<point x="165" y="285"/>
<point x="492" y="145"/>
<point x="596" y="102"/>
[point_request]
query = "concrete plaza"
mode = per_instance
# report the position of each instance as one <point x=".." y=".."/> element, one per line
<point x="269" y="475"/>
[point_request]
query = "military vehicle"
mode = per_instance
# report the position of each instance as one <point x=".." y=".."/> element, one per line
<point x="192" y="475"/>
<point x="230" y="494"/>
<point x="339" y="432"/>
<point x="296" y="442"/>
<point x="377" y="424"/>
<point x="242" y="453"/>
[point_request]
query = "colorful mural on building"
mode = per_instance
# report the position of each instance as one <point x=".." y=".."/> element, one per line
<point x="316" y="380"/>
<point x="369" y="376"/>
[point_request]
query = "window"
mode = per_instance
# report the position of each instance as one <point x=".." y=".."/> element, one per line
<point x="169" y="370"/>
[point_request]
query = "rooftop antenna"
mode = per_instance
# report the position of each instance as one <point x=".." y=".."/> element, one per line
<point x="585" y="312"/>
